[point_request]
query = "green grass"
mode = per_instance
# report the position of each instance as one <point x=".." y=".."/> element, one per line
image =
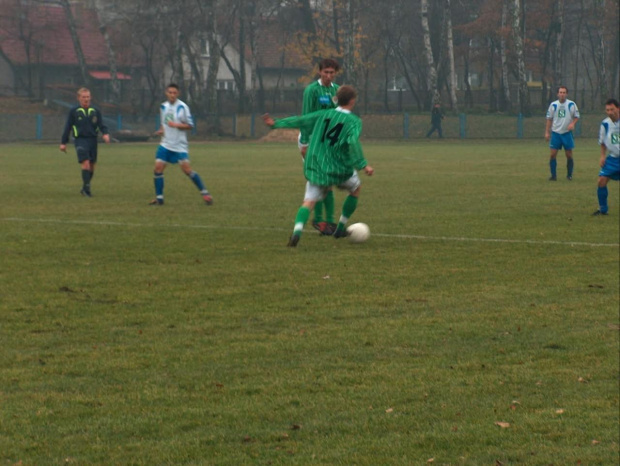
<point x="187" y="334"/>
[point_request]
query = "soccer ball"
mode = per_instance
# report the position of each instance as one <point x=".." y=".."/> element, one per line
<point x="358" y="232"/>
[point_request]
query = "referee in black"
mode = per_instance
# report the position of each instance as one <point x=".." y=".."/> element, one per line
<point x="85" y="123"/>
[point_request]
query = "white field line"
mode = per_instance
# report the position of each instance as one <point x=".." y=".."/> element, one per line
<point x="381" y="235"/>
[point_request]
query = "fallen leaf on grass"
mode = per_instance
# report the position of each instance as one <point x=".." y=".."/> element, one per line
<point x="326" y="277"/>
<point x="559" y="411"/>
<point x="430" y="460"/>
<point x="595" y="442"/>
<point x="389" y="410"/>
<point x="503" y="425"/>
<point x="247" y="439"/>
<point x="296" y="427"/>
<point x="582" y="380"/>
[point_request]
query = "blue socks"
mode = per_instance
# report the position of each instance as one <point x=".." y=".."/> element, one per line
<point x="159" y="185"/>
<point x="195" y="177"/>
<point x="602" y="199"/>
<point x="570" y="163"/>
<point x="553" y="165"/>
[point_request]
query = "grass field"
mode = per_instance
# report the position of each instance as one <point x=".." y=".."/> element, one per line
<point x="478" y="325"/>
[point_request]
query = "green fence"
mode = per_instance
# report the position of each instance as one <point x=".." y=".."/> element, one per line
<point x="402" y="126"/>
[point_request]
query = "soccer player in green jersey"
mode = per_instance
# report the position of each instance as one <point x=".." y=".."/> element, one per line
<point x="320" y="95"/>
<point x="334" y="155"/>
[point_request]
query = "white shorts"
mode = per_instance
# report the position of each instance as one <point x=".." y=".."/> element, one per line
<point x="317" y="193"/>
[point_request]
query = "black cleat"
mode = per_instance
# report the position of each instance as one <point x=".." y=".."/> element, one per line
<point x="293" y="240"/>
<point x="598" y="213"/>
<point x="324" y="228"/>
<point x="208" y="199"/>
<point x="85" y="192"/>
<point x="156" y="202"/>
<point x="341" y="233"/>
<point x="553" y="178"/>
<point x="569" y="177"/>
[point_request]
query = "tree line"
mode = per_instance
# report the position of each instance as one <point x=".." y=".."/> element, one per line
<point x="432" y="49"/>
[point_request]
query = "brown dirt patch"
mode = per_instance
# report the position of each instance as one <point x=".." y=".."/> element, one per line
<point x="281" y="135"/>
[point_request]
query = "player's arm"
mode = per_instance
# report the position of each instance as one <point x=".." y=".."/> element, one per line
<point x="602" y="132"/>
<point x="304" y="122"/>
<point x="103" y="128"/>
<point x="548" y="129"/>
<point x="575" y="115"/>
<point x="64" y="139"/>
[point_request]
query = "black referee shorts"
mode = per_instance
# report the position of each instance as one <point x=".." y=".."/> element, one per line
<point x="86" y="149"/>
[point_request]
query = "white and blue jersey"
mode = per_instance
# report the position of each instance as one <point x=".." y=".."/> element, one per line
<point x="609" y="136"/>
<point x="562" y="115"/>
<point x="175" y="139"/>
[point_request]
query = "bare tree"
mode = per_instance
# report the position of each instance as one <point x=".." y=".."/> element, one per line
<point x="431" y="81"/>
<point x="76" y="41"/>
<point x="115" y="83"/>
<point x="524" y="92"/>
<point x="507" y="104"/>
<point x="450" y="44"/>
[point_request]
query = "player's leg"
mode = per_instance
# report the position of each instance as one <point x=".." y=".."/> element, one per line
<point x="553" y="164"/>
<point x="161" y="159"/>
<point x="569" y="145"/>
<point x="328" y="202"/>
<point x="312" y="195"/>
<point x="83" y="156"/>
<point x="602" y="194"/>
<point x="354" y="186"/>
<point x="570" y="164"/>
<point x="610" y="170"/>
<point x="196" y="179"/>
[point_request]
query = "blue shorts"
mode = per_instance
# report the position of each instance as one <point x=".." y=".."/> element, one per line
<point x="562" y="140"/>
<point x="168" y="156"/>
<point x="611" y="169"/>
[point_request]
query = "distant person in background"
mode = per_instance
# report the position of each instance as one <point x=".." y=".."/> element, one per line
<point x="562" y="117"/>
<point x="609" y="140"/>
<point x="85" y="123"/>
<point x="176" y="120"/>
<point x="436" y="117"/>
<point x="321" y="95"/>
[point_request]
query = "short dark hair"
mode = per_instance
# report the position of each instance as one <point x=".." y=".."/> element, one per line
<point x="175" y="85"/>
<point x="345" y="94"/>
<point x="613" y="102"/>
<point x="562" y="87"/>
<point x="329" y="63"/>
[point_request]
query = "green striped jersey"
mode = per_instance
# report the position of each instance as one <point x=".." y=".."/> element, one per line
<point x="317" y="97"/>
<point x="335" y="151"/>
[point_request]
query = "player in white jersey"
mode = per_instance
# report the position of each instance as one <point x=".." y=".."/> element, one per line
<point x="609" y="140"/>
<point x="176" y="119"/>
<point x="562" y="117"/>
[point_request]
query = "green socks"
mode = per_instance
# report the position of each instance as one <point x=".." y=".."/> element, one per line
<point x="349" y="206"/>
<point x="302" y="217"/>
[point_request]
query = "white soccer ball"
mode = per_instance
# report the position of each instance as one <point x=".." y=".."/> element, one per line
<point x="358" y="232"/>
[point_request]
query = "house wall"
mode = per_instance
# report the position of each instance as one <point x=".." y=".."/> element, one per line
<point x="7" y="80"/>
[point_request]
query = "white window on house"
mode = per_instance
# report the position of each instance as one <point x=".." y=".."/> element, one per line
<point x="204" y="48"/>
<point x="226" y="84"/>
<point x="474" y="79"/>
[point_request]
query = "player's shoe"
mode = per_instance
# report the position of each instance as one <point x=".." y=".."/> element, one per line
<point x="598" y="213"/>
<point x="553" y="178"/>
<point x="293" y="240"/>
<point x="569" y="178"/>
<point x="208" y="199"/>
<point x="156" y="202"/>
<point x="85" y="192"/>
<point x="341" y="233"/>
<point x="324" y="228"/>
